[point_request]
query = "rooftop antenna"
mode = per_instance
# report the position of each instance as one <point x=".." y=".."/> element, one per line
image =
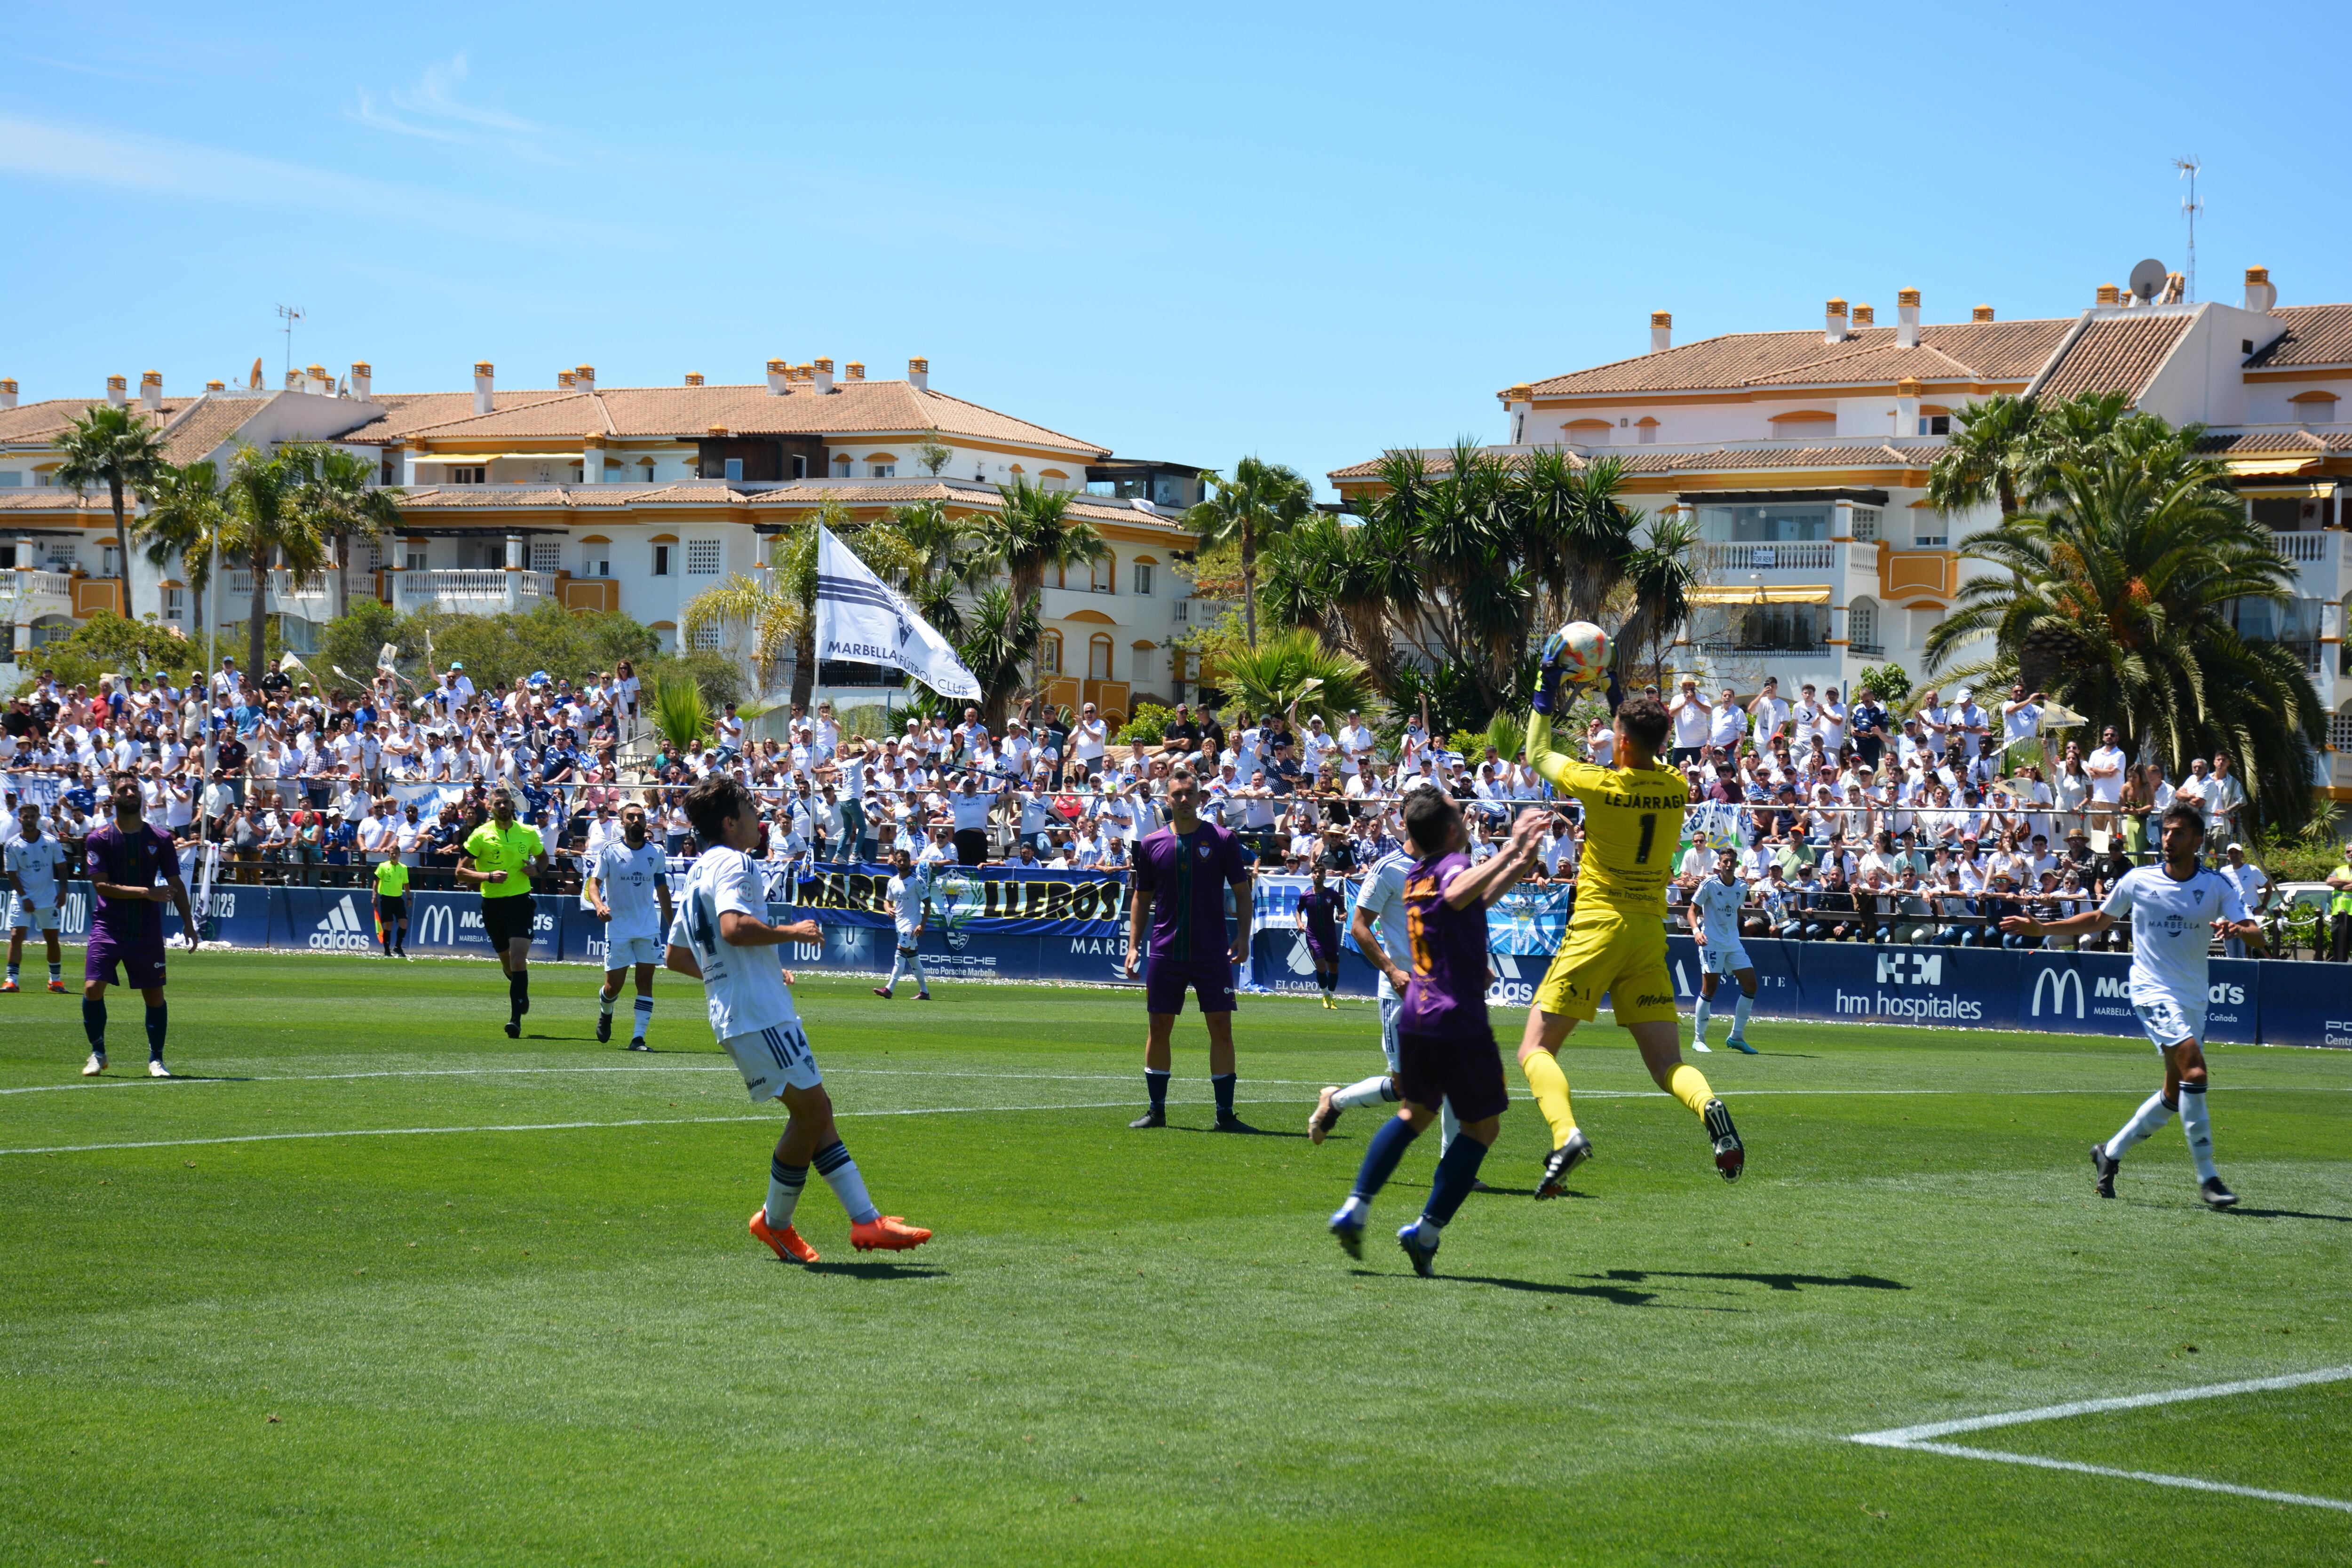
<point x="2190" y="208"/>
<point x="289" y="314"/>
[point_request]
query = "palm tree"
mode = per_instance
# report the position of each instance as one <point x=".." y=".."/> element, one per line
<point x="1990" y="453"/>
<point x="1293" y="665"/>
<point x="185" y="520"/>
<point x="2121" y="599"/>
<point x="116" y="448"/>
<point x="1659" y="570"/>
<point x="779" y="608"/>
<point x="1003" y="640"/>
<point x="339" y="491"/>
<point x="932" y="554"/>
<point x="270" y="525"/>
<point x="1260" y="501"/>
<point x="1029" y="533"/>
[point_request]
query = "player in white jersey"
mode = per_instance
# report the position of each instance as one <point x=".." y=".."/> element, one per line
<point x="628" y="886"/>
<point x="1715" y="922"/>
<point x="2173" y="910"/>
<point x="1379" y="926"/>
<point x="722" y="938"/>
<point x="34" y="863"/>
<point x="908" y="894"/>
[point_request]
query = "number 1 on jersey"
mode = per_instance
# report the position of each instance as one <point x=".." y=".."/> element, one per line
<point x="1649" y="835"/>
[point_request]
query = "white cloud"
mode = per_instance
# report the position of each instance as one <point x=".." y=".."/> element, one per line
<point x="368" y="114"/>
<point x="436" y="94"/>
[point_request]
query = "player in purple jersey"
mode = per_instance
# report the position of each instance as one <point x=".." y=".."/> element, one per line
<point x="1319" y="918"/>
<point x="1178" y="890"/>
<point x="1445" y="1046"/>
<point x="124" y="860"/>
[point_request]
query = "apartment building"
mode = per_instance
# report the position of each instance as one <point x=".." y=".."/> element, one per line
<point x="1804" y="456"/>
<point x="597" y="498"/>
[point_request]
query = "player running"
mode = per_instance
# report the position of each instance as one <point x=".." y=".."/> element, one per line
<point x="37" y="891"/>
<point x="504" y="852"/>
<point x="1616" y="941"/>
<point x="1178" y="885"/>
<point x="2173" y="908"/>
<point x="908" y="908"/>
<point x="1445" y="1046"/>
<point x="1714" y="923"/>
<point x="628" y="886"/>
<point x="1318" y="920"/>
<point x="124" y="860"/>
<point x="722" y="938"/>
<point x="392" y="905"/>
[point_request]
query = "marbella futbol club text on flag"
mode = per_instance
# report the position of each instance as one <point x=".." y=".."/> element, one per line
<point x="861" y="619"/>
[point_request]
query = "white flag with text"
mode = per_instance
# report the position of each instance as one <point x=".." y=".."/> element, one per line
<point x="860" y="617"/>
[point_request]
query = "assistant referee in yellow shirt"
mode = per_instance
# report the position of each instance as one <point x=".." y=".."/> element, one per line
<point x="503" y="853"/>
<point x="392" y="905"/>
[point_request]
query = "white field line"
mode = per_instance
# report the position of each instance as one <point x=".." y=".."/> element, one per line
<point x="1921" y="1438"/>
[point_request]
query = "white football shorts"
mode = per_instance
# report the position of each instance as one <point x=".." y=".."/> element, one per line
<point x="1728" y="959"/>
<point x="26" y="915"/>
<point x="773" y="1060"/>
<point x="2167" y="1022"/>
<point x="1391" y="1009"/>
<point x="620" y="951"/>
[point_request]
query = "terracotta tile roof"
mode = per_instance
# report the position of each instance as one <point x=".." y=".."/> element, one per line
<point x="2248" y="443"/>
<point x="2115" y="353"/>
<point x="687" y="413"/>
<point x="1718" y="459"/>
<point x="795" y="497"/>
<point x="1980" y="351"/>
<point x="205" y="424"/>
<point x="52" y="498"/>
<point x="2315" y="334"/>
<point x="33" y="424"/>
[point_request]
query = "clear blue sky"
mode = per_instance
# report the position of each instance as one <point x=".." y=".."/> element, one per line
<point x="1188" y="233"/>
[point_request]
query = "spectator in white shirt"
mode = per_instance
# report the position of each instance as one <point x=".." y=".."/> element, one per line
<point x="1089" y="737"/>
<point x="2105" y="772"/>
<point x="1693" y="723"/>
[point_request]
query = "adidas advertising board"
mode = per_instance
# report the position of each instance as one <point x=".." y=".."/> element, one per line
<point x="343" y="929"/>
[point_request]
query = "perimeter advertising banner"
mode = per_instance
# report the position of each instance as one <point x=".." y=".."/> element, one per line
<point x="968" y="901"/>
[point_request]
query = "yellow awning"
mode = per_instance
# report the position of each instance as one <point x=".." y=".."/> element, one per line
<point x="2255" y="467"/>
<point x="2318" y="491"/>
<point x="464" y="458"/>
<point x="1723" y="596"/>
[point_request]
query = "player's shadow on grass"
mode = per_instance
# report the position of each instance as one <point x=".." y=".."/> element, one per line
<point x="877" y="1270"/>
<point x="2289" y="1214"/>
<point x="1615" y="1295"/>
<point x="1253" y="1132"/>
<point x="179" y="1077"/>
<point x="1776" y="1281"/>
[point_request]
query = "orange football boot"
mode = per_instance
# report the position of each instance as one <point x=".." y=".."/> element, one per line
<point x="58" y="988"/>
<point x="8" y="985"/>
<point x="789" y="1246"/>
<point x="887" y="1233"/>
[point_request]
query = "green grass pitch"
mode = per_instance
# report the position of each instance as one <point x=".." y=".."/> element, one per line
<point x="524" y="1323"/>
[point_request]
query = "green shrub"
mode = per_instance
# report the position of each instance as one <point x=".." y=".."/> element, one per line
<point x="1149" y="727"/>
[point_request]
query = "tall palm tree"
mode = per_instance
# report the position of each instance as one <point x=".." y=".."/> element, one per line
<point x="118" y="447"/>
<point x="999" y="647"/>
<point x="779" y="608"/>
<point x="1659" y="570"/>
<point x="185" y="519"/>
<point x="1990" y="456"/>
<point x="2120" y="599"/>
<point x="270" y="524"/>
<point x="933" y="554"/>
<point x="345" y="502"/>
<point x="1261" y="500"/>
<point x="1031" y="533"/>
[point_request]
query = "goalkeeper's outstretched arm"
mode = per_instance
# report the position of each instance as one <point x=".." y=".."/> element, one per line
<point x="1551" y="766"/>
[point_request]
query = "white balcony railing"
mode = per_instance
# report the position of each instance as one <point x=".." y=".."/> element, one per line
<point x="2306" y="549"/>
<point x="57" y="584"/>
<point x="470" y="592"/>
<point x="311" y="600"/>
<point x="1798" y="555"/>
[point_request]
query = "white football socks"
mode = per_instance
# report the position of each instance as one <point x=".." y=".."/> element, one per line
<point x="1699" y="1017"/>
<point x="605" y="1001"/>
<point x="2145" y="1122"/>
<point x="836" y="1167"/>
<point x="645" y="1016"/>
<point x="2198" y="1123"/>
<point x="1739" y="1011"/>
<point x="1378" y="1090"/>
<point x="784" y="1185"/>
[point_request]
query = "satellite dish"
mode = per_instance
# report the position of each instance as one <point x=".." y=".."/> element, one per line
<point x="2147" y="278"/>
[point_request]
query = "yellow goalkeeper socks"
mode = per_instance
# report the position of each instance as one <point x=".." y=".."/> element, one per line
<point x="1551" y="1086"/>
<point x="1687" y="1084"/>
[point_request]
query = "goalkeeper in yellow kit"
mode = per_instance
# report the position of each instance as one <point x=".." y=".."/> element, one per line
<point x="1616" y="941"/>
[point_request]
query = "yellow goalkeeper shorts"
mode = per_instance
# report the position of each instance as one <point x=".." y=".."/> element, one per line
<point x="1620" y="956"/>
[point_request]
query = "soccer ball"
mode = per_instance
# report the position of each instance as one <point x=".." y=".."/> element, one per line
<point x="1580" y="650"/>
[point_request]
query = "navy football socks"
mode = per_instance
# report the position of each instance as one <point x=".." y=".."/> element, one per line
<point x="1456" y="1170"/>
<point x="1382" y="1154"/>
<point x="157" y="1017"/>
<point x="1155" y="1083"/>
<point x="1223" y="1084"/>
<point x="93" y="1023"/>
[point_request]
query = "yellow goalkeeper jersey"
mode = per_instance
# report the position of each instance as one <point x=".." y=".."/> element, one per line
<point x="1632" y="825"/>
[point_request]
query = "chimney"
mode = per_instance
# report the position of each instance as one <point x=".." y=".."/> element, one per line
<point x="1981" y="313"/>
<point x="822" y="369"/>
<point x="694" y="378"/>
<point x="565" y="380"/>
<point x="151" y="391"/>
<point x="591" y="459"/>
<point x="1662" y="331"/>
<point x="2262" y="294"/>
<point x="315" y="381"/>
<point x="362" y="379"/>
<point x="584" y="378"/>
<point x="9" y="392"/>
<point x="1834" y="328"/>
<point x="118" y="391"/>
<point x="1907" y="318"/>
<point x="2108" y="294"/>
<point x="780" y="377"/>
<point x="209" y="387"/>
<point x="855" y="370"/>
<point x="1906" y="405"/>
<point x="919" y="374"/>
<point x="482" y="375"/>
<point x="1518" y="401"/>
<point x="1864" y="316"/>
